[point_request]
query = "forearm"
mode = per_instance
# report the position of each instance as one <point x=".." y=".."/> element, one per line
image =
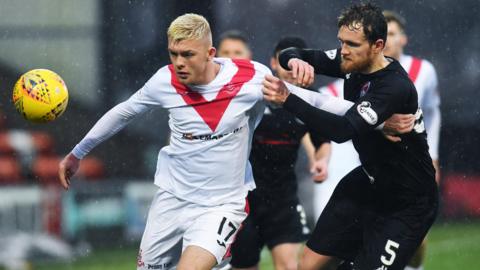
<point x="324" y="151"/>
<point x="335" y="105"/>
<point x="309" y="148"/>
<point x="306" y="55"/>
<point x="107" y="126"/>
<point x="326" y="124"/>
<point x="326" y="102"/>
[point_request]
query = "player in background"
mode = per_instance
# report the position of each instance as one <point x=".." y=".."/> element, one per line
<point x="234" y="44"/>
<point x="380" y="212"/>
<point x="423" y="75"/>
<point x="343" y="159"/>
<point x="276" y="218"/>
<point x="203" y="175"/>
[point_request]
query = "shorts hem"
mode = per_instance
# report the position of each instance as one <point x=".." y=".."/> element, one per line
<point x="330" y="253"/>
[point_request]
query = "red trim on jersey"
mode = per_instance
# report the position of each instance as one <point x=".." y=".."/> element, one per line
<point x="331" y="87"/>
<point x="228" y="252"/>
<point x="276" y="142"/>
<point x="414" y="69"/>
<point x="212" y="111"/>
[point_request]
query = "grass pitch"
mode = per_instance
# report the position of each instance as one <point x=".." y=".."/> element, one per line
<point x="450" y="246"/>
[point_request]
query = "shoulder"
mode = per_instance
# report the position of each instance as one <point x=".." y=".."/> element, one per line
<point x="426" y="66"/>
<point x="396" y="81"/>
<point x="162" y="75"/>
<point x="259" y="68"/>
<point x="160" y="81"/>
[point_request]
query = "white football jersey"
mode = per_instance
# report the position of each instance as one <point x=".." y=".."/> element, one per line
<point x="211" y="127"/>
<point x="423" y="75"/>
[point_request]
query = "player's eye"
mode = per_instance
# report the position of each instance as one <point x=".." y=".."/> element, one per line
<point x="187" y="54"/>
<point x="352" y="44"/>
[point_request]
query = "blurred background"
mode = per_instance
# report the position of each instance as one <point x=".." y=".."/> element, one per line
<point x="106" y="50"/>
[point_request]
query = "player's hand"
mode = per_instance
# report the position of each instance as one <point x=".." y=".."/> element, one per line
<point x="398" y="124"/>
<point x="274" y="90"/>
<point x="302" y="72"/>
<point x="319" y="170"/>
<point x="67" y="168"/>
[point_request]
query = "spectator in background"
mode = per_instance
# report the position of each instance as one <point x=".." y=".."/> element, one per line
<point x="276" y="218"/>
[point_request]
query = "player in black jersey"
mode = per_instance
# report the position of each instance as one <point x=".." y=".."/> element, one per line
<point x="276" y="218"/>
<point x="379" y="212"/>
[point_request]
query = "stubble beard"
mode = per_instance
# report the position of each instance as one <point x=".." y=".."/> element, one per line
<point x="355" y="66"/>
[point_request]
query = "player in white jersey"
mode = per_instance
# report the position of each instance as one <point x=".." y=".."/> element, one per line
<point x="424" y="76"/>
<point x="203" y="175"/>
<point x="343" y="159"/>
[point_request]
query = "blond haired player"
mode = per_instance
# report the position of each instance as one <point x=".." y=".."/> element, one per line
<point x="203" y="175"/>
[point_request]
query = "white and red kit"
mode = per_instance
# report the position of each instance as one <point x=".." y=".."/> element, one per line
<point x="211" y="127"/>
<point x="203" y="175"/>
<point x="344" y="156"/>
<point x="423" y="75"/>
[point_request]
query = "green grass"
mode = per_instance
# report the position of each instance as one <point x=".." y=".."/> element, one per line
<point x="454" y="246"/>
<point x="451" y="246"/>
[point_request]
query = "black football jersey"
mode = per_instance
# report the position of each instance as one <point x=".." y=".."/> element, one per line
<point x="405" y="165"/>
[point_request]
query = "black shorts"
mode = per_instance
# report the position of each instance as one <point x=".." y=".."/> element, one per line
<point x="270" y="222"/>
<point x="363" y="224"/>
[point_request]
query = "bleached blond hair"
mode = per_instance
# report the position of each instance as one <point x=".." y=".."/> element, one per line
<point x="189" y="26"/>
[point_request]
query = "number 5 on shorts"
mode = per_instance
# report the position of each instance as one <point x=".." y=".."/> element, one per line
<point x="390" y="248"/>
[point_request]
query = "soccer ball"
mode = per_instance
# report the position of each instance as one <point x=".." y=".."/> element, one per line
<point x="40" y="95"/>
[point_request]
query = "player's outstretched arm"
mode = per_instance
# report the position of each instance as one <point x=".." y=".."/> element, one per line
<point x="67" y="168"/>
<point x="340" y="129"/>
<point x="302" y="72"/>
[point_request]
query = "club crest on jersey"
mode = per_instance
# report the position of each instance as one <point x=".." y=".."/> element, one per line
<point x="367" y="113"/>
<point x="364" y="89"/>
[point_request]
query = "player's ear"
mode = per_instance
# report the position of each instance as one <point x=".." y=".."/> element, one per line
<point x="379" y="45"/>
<point x="211" y="53"/>
<point x="273" y="63"/>
<point x="403" y="40"/>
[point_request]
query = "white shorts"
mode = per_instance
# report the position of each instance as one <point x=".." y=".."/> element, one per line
<point x="175" y="224"/>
